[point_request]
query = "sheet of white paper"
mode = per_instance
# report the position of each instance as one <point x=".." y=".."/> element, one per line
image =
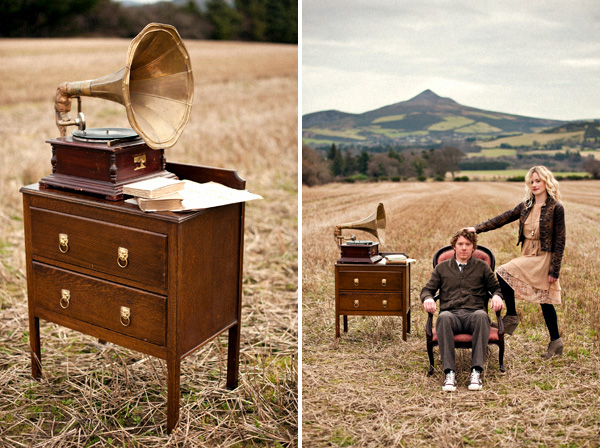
<point x="197" y="196"/>
<point x="211" y="194"/>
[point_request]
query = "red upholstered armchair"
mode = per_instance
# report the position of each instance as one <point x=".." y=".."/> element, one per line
<point x="466" y="340"/>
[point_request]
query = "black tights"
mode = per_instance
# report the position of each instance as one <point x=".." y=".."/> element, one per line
<point x="509" y="297"/>
<point x="551" y="320"/>
<point x="547" y="309"/>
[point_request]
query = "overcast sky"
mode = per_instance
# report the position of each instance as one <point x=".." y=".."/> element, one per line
<point x="539" y="58"/>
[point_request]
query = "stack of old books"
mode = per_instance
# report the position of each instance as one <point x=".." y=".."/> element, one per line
<point x="397" y="258"/>
<point x="162" y="194"/>
<point x="157" y="194"/>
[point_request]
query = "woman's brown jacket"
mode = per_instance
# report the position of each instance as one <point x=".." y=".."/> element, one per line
<point x="552" y="229"/>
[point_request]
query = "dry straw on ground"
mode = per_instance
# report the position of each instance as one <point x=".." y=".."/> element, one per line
<point x="245" y="118"/>
<point x="371" y="389"/>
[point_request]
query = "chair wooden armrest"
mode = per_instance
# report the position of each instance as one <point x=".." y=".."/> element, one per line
<point x="500" y="324"/>
<point x="429" y="326"/>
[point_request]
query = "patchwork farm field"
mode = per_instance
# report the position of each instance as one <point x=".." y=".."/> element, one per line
<point x="494" y="152"/>
<point x="370" y="388"/>
<point x="245" y="117"/>
<point x="529" y="139"/>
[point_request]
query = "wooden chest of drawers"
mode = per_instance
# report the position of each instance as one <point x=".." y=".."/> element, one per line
<point x="372" y="290"/>
<point x="160" y="283"/>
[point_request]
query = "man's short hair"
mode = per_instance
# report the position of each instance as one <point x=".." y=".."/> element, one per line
<point x="471" y="236"/>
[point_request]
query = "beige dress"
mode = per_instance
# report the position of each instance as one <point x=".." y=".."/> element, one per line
<point x="528" y="274"/>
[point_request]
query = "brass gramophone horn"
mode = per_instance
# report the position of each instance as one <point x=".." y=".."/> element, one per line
<point x="155" y="86"/>
<point x="373" y="224"/>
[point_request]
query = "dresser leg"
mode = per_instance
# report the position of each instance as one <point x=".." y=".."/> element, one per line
<point x="337" y="325"/>
<point x="173" y="392"/>
<point x="233" y="357"/>
<point x="345" y="323"/>
<point x="36" y="352"/>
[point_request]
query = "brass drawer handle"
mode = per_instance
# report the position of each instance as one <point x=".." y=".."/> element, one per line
<point x="125" y="316"/>
<point x="384" y="303"/>
<point x="356" y="303"/>
<point x="383" y="282"/>
<point x="356" y="282"/>
<point x="63" y="242"/>
<point x="65" y="298"/>
<point x="123" y="257"/>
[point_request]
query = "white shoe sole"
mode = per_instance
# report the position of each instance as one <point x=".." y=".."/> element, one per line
<point x="475" y="387"/>
<point x="448" y="388"/>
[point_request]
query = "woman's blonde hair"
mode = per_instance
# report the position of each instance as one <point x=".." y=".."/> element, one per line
<point x="545" y="175"/>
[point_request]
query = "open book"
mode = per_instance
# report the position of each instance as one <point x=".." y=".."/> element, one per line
<point x="196" y="196"/>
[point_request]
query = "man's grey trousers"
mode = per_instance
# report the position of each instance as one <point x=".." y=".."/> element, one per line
<point x="458" y="321"/>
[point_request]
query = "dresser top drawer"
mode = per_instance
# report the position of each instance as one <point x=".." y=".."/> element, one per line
<point x="125" y="310"/>
<point x="112" y="249"/>
<point x="369" y="279"/>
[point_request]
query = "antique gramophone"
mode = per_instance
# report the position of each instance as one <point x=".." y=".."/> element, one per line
<point x="156" y="87"/>
<point x="357" y="251"/>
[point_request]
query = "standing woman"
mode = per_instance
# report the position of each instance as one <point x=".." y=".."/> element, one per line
<point x="534" y="275"/>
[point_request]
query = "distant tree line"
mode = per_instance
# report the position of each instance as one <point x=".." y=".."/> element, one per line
<point x="350" y="164"/>
<point x="465" y="145"/>
<point x="485" y="164"/>
<point x="393" y="165"/>
<point x="249" y="20"/>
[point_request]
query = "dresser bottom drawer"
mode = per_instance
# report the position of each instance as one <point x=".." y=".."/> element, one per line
<point x="100" y="303"/>
<point x="351" y="301"/>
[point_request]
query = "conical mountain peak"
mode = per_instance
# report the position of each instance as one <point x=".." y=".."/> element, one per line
<point x="427" y="94"/>
<point x="428" y="97"/>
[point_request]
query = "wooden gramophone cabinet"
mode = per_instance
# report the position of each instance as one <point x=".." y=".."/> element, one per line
<point x="102" y="167"/>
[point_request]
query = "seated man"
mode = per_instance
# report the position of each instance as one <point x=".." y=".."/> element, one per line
<point x="463" y="283"/>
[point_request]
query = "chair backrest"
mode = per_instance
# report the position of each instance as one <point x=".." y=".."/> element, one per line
<point x="482" y="252"/>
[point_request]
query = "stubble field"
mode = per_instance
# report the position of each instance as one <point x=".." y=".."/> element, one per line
<point x="244" y="118"/>
<point x="371" y="389"/>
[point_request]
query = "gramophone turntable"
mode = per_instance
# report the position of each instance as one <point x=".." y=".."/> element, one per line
<point x="156" y="88"/>
<point x="357" y="251"/>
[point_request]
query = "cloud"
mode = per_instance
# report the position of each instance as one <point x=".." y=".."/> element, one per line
<point x="361" y="91"/>
<point x="582" y="62"/>
<point x="524" y="50"/>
